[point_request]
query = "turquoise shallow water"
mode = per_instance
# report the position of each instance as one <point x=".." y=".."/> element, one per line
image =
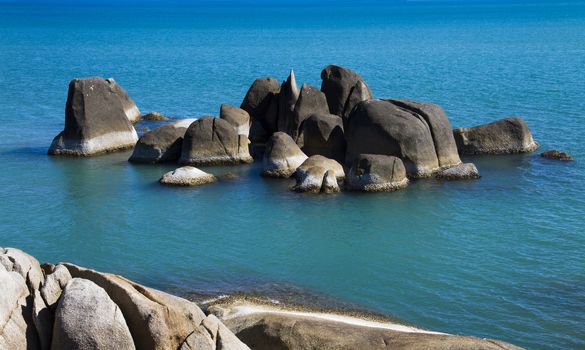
<point x="500" y="257"/>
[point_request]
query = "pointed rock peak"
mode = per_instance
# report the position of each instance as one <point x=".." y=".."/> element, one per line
<point x="291" y="83"/>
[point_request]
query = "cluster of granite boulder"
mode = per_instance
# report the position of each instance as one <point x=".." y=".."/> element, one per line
<point x="67" y="307"/>
<point x="64" y="306"/>
<point x="311" y="133"/>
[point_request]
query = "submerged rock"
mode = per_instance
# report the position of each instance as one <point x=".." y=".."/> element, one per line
<point x="510" y="135"/>
<point x="214" y="141"/>
<point x="323" y="134"/>
<point x="418" y="133"/>
<point x="239" y="118"/>
<point x="282" y="156"/>
<point x="187" y="176"/>
<point x="464" y="171"/>
<point x="337" y="85"/>
<point x="95" y="119"/>
<point x="163" y="144"/>
<point x="86" y="318"/>
<point x="376" y="173"/>
<point x="154" y="117"/>
<point x="558" y="155"/>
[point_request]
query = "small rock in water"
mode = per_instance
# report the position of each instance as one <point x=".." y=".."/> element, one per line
<point x="558" y="155"/>
<point x="463" y="171"/>
<point x="230" y="176"/>
<point x="187" y="176"/>
<point x="154" y="116"/>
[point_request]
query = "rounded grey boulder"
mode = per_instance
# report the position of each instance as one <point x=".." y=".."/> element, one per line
<point x="261" y="104"/>
<point x="86" y="318"/>
<point x="337" y="85"/>
<point x="324" y="162"/>
<point x="239" y="118"/>
<point x="310" y="101"/>
<point x="214" y="141"/>
<point x="376" y="173"/>
<point x="509" y="135"/>
<point x="418" y="133"/>
<point x="323" y="134"/>
<point x="187" y="176"/>
<point x="282" y="156"/>
<point x="310" y="179"/>
<point x="162" y="144"/>
<point x="95" y="119"/>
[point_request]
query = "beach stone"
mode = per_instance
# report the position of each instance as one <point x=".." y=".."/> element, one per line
<point x="464" y="171"/>
<point x="221" y="335"/>
<point x="261" y="103"/>
<point x="324" y="162"/>
<point x="95" y="120"/>
<point x="154" y="117"/>
<point x="86" y="318"/>
<point x="359" y="92"/>
<point x="239" y="118"/>
<point x="17" y="330"/>
<point x="310" y="179"/>
<point x="282" y="156"/>
<point x="155" y="319"/>
<point x="376" y="173"/>
<point x="279" y="331"/>
<point x="418" y="133"/>
<point x="323" y="134"/>
<point x="163" y="144"/>
<point x="330" y="184"/>
<point x="504" y="136"/>
<point x="557" y="155"/>
<point x="287" y="100"/>
<point x="214" y="141"/>
<point x="187" y="176"/>
<point x="310" y="101"/>
<point x="337" y="86"/>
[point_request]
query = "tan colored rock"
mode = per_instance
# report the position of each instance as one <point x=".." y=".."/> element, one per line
<point x="86" y="318"/>
<point x="282" y="156"/>
<point x="328" y="164"/>
<point x="156" y="320"/>
<point x="27" y="266"/>
<point x="187" y="176"/>
<point x="330" y="184"/>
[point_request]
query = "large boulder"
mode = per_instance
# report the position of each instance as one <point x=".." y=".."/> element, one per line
<point x="359" y="92"/>
<point x="155" y="319"/>
<point x="86" y="318"/>
<point x="376" y="173"/>
<point x="261" y="103"/>
<point x="510" y="135"/>
<point x="17" y="331"/>
<point x="338" y="83"/>
<point x="282" y="156"/>
<point x="418" y="133"/>
<point x="187" y="176"/>
<point x="162" y="144"/>
<point x="323" y="134"/>
<point x="289" y="331"/>
<point x="310" y="101"/>
<point x="287" y="100"/>
<point x="95" y="120"/>
<point x="309" y="179"/>
<point x="214" y="141"/>
<point x="324" y="162"/>
<point x="239" y="118"/>
<point x="132" y="112"/>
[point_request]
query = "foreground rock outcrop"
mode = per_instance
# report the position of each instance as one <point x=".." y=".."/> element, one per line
<point x="510" y="135"/>
<point x="282" y="156"/>
<point x="96" y="119"/>
<point x="272" y="328"/>
<point x="214" y="141"/>
<point x="163" y="144"/>
<point x="376" y="173"/>
<point x="418" y="133"/>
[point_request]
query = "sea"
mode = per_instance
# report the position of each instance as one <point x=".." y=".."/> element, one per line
<point x="500" y="257"/>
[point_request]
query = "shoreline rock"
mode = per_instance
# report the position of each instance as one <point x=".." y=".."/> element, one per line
<point x="163" y="144"/>
<point x="187" y="176"/>
<point x="557" y="155"/>
<point x="282" y="156"/>
<point x="376" y="173"/>
<point x="463" y="171"/>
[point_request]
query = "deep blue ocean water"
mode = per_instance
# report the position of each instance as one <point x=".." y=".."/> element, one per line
<point x="500" y="257"/>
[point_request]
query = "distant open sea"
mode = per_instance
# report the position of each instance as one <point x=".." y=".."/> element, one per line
<point x="501" y="257"/>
